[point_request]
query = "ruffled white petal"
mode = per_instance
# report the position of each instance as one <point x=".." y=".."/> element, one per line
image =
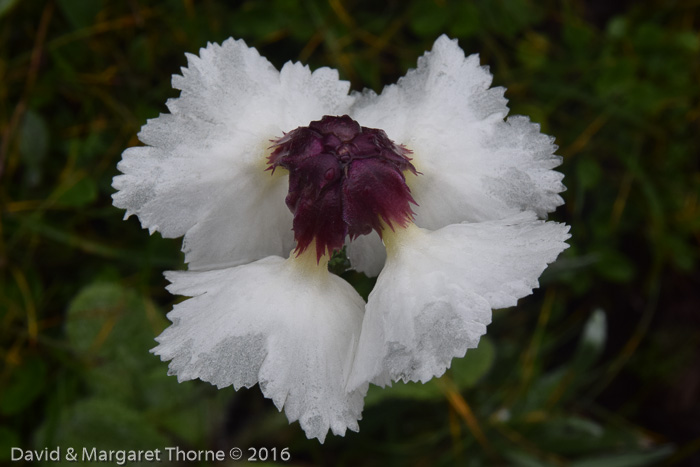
<point x="433" y="299"/>
<point x="202" y="173"/>
<point x="268" y="322"/>
<point x="474" y="165"/>
<point x="367" y="254"/>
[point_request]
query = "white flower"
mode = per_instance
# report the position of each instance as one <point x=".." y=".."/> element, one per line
<point x="252" y="162"/>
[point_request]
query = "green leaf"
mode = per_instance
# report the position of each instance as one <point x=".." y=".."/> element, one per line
<point x="615" y="267"/>
<point x="105" y="318"/>
<point x="112" y="330"/>
<point x="78" y="193"/>
<point x="540" y="392"/>
<point x="188" y="410"/>
<point x="467" y="371"/>
<point x="633" y="459"/>
<point x="26" y="384"/>
<point x="582" y="426"/>
<point x="360" y="282"/>
<point x="102" y="424"/>
<point x="571" y="436"/>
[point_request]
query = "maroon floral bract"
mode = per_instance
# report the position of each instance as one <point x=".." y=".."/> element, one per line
<point x="344" y="179"/>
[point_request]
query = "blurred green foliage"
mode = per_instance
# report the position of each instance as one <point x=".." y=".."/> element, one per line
<point x="599" y="370"/>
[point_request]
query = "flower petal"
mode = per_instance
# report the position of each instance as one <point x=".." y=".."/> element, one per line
<point x="367" y="254"/>
<point x="473" y="165"/>
<point x="267" y="323"/>
<point x="202" y="173"/>
<point x="433" y="299"/>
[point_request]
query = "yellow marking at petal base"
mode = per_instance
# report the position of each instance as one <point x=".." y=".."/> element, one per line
<point x="411" y="178"/>
<point x="280" y="172"/>
<point x="395" y="237"/>
<point x="308" y="265"/>
<point x="260" y="164"/>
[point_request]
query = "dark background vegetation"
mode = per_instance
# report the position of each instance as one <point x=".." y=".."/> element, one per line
<point x="600" y="367"/>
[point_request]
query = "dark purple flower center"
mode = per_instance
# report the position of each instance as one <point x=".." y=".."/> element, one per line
<point x="344" y="179"/>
